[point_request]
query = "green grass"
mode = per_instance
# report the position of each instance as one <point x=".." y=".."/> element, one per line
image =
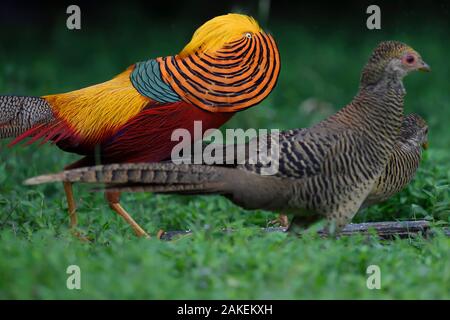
<point x="320" y="74"/>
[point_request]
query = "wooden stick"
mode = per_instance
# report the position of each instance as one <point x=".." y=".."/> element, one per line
<point x="384" y="230"/>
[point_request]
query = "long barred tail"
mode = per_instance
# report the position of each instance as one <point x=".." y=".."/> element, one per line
<point x="151" y="177"/>
<point x="19" y="114"/>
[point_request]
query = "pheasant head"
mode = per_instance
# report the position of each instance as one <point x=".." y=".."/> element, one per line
<point x="414" y="130"/>
<point x="219" y="31"/>
<point x="229" y="65"/>
<point x="391" y="60"/>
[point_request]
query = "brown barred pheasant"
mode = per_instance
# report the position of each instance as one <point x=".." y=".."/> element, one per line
<point x="402" y="164"/>
<point x="325" y="171"/>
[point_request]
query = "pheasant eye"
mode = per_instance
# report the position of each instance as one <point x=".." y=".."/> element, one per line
<point x="410" y="59"/>
<point x="248" y="35"/>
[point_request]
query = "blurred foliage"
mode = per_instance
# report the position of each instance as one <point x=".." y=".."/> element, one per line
<point x="321" y="62"/>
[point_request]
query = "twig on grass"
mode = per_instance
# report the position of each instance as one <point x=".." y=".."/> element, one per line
<point x="384" y="230"/>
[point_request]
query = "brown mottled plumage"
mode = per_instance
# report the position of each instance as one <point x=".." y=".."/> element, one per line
<point x="401" y="167"/>
<point x="327" y="170"/>
<point x="403" y="162"/>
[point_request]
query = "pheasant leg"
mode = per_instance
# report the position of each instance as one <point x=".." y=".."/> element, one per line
<point x="282" y="220"/>
<point x="71" y="204"/>
<point x="113" y="199"/>
<point x="72" y="208"/>
<point x="72" y="211"/>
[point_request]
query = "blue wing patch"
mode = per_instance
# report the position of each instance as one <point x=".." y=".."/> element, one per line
<point x="146" y="79"/>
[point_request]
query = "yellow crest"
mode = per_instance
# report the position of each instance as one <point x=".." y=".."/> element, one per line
<point x="218" y="31"/>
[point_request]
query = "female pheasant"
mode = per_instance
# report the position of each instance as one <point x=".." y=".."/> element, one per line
<point x="326" y="171"/>
<point x="402" y="164"/>
<point x="229" y="65"/>
<point x="404" y="160"/>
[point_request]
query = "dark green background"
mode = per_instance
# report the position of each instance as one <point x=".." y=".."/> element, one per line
<point x="323" y="47"/>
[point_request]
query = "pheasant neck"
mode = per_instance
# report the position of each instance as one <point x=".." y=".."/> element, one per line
<point x="377" y="112"/>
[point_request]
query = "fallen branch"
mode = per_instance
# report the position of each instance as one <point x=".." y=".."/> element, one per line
<point x="384" y="230"/>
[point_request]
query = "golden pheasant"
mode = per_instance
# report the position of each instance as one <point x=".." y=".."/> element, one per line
<point x="229" y="65"/>
<point x="326" y="171"/>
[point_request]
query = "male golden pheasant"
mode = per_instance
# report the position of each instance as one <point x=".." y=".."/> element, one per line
<point x="229" y="65"/>
<point x="326" y="171"/>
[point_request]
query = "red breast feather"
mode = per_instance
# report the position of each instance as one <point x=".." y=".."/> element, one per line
<point x="147" y="137"/>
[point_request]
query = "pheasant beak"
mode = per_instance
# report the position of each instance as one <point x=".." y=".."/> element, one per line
<point x="425" y="145"/>
<point x="424" y="67"/>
